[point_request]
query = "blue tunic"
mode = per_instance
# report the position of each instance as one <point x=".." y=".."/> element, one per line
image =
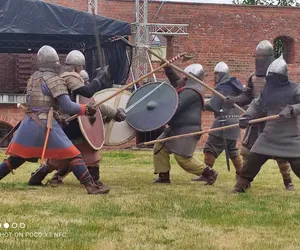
<point x="29" y="140"/>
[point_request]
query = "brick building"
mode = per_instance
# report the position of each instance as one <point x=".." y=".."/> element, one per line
<point x="227" y="33"/>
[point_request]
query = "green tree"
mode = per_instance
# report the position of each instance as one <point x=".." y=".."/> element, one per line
<point x="278" y="47"/>
<point x="268" y="2"/>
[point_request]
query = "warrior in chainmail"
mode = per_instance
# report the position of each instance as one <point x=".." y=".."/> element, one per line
<point x="187" y="119"/>
<point x="216" y="143"/>
<point x="280" y="139"/>
<point x="256" y="82"/>
<point x="47" y="91"/>
<point x="74" y="63"/>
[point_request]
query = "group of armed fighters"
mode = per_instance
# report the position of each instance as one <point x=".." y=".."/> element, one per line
<point x="55" y="86"/>
<point x="267" y="92"/>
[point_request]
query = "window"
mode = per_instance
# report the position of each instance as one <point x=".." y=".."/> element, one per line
<point x="284" y="45"/>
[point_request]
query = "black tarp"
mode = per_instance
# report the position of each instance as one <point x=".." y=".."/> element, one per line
<point x="38" y="17"/>
<point x="27" y="25"/>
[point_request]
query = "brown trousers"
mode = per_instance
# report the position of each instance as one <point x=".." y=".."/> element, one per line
<point x="90" y="156"/>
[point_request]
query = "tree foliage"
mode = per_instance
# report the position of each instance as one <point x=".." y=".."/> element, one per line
<point x="278" y="47"/>
<point x="268" y="2"/>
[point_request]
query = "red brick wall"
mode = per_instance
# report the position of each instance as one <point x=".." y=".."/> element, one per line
<point x="219" y="33"/>
<point x="74" y="4"/>
<point x="216" y="32"/>
<point x="10" y="114"/>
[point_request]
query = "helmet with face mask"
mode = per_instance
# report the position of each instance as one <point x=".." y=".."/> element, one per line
<point x="279" y="66"/>
<point x="263" y="57"/>
<point x="277" y="72"/>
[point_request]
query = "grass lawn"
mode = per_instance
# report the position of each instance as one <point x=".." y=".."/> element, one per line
<point x="139" y="215"/>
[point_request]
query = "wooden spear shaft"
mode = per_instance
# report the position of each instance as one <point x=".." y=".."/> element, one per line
<point x="49" y="127"/>
<point x="267" y="118"/>
<point x="194" y="78"/>
<point x="131" y="84"/>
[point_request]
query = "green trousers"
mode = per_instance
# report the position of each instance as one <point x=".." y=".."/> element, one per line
<point x="161" y="161"/>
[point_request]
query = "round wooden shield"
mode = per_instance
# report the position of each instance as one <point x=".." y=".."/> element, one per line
<point x="116" y="133"/>
<point x="152" y="106"/>
<point x="92" y="132"/>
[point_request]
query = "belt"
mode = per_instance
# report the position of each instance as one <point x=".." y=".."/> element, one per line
<point x="42" y="116"/>
<point x="42" y="103"/>
<point x="228" y="116"/>
<point x="34" y="117"/>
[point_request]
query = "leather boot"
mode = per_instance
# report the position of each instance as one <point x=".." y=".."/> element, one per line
<point x="289" y="185"/>
<point x="238" y="164"/>
<point x="285" y="170"/>
<point x="94" y="172"/>
<point x="210" y="175"/>
<point x="38" y="176"/>
<point x="163" y="178"/>
<point x="241" y="185"/>
<point x="209" y="160"/>
<point x="200" y="178"/>
<point x="57" y="178"/>
<point x="83" y="175"/>
<point x="93" y="189"/>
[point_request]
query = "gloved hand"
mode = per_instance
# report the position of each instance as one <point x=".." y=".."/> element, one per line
<point x="287" y="112"/>
<point x="92" y="119"/>
<point x="228" y="103"/>
<point x="121" y="115"/>
<point x="244" y="122"/>
<point x="90" y="110"/>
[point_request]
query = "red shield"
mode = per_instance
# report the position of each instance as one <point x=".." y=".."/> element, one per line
<point x="93" y="133"/>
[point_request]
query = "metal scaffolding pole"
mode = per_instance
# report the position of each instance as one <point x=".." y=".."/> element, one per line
<point x="93" y="4"/>
<point x="141" y="37"/>
<point x="142" y="31"/>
